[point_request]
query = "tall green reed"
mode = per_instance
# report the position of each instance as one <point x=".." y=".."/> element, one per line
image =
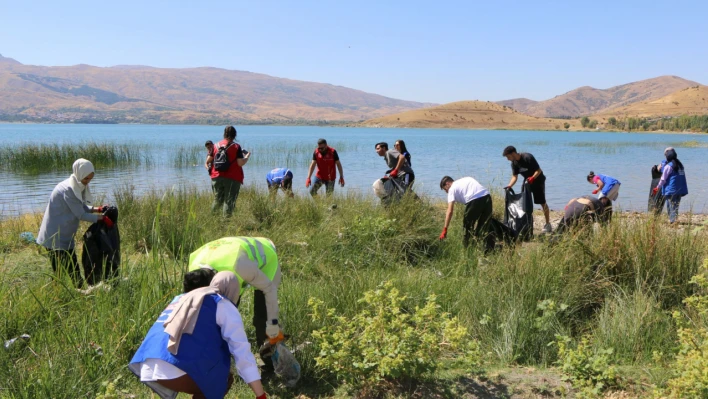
<point x="30" y="158"/>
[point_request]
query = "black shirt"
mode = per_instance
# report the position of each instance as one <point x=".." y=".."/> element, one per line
<point x="526" y="165"/>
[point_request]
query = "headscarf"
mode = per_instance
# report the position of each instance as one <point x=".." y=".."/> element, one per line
<point x="183" y="319"/>
<point x="81" y="169"/>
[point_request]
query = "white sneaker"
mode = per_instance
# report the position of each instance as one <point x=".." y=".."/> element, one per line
<point x="547" y="228"/>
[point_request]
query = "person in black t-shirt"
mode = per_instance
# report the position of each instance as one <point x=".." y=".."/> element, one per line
<point x="525" y="164"/>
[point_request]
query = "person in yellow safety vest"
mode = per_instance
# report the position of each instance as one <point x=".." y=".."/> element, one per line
<point x="255" y="263"/>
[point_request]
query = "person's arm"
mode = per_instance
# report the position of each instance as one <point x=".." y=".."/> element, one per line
<point x="600" y="185"/>
<point x="232" y="331"/>
<point x="448" y="215"/>
<point x="341" y="173"/>
<point x="513" y="180"/>
<point x="78" y="209"/>
<point x="251" y="274"/>
<point x="309" y="172"/>
<point x="665" y="175"/>
<point x="209" y="161"/>
<point x="244" y="158"/>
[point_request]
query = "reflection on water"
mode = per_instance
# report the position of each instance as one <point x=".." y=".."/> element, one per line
<point x="176" y="155"/>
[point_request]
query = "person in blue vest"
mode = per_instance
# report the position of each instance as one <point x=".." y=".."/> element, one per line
<point x="606" y="186"/>
<point x="673" y="184"/>
<point x="189" y="348"/>
<point x="280" y="178"/>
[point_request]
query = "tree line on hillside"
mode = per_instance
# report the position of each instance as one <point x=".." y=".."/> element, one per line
<point x="693" y="123"/>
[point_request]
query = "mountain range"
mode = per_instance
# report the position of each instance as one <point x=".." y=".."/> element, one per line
<point x="133" y="93"/>
<point x="587" y="100"/>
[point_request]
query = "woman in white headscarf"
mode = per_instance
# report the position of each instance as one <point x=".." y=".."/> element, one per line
<point x="189" y="348"/>
<point x="69" y="203"/>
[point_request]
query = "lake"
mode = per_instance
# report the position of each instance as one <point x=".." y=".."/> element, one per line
<point x="565" y="157"/>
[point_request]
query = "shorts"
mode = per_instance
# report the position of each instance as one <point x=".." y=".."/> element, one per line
<point x="613" y="193"/>
<point x="538" y="189"/>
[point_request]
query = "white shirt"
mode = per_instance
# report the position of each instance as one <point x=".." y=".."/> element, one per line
<point x="465" y="190"/>
<point x="232" y="331"/>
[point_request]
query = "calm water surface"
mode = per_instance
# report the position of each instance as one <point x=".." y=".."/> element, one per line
<point x="566" y="158"/>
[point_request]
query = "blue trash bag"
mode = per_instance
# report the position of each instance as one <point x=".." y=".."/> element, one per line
<point x="285" y="364"/>
<point x="27" y="236"/>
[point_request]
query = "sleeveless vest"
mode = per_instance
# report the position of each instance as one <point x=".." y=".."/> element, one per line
<point x="203" y="355"/>
<point x="608" y="182"/>
<point x="326" y="165"/>
<point x="676" y="182"/>
<point x="221" y="255"/>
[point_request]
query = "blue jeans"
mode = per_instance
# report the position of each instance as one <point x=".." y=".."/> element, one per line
<point x="672" y="206"/>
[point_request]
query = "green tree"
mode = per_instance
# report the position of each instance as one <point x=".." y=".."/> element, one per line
<point x="592" y="124"/>
<point x="612" y="121"/>
<point x="566" y="126"/>
<point x="584" y="121"/>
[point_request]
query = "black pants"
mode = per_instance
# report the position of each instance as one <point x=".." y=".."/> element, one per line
<point x="64" y="261"/>
<point x="478" y="213"/>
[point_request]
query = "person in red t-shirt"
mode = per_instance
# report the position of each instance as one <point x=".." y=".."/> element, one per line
<point x="325" y="158"/>
<point x="226" y="184"/>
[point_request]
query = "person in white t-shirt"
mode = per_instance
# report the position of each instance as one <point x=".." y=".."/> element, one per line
<point x="478" y="209"/>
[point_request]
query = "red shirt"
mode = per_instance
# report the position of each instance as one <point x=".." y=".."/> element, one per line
<point x="326" y="164"/>
<point x="234" y="152"/>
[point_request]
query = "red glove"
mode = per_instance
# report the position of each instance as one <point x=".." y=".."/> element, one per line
<point x="308" y="182"/>
<point x="262" y="396"/>
<point x="108" y="222"/>
<point x="443" y="234"/>
<point x="654" y="191"/>
<point x="595" y="191"/>
<point x="394" y="173"/>
<point x="531" y="179"/>
<point x="341" y="181"/>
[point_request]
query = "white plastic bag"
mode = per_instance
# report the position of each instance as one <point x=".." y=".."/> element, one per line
<point x="379" y="189"/>
<point x="285" y="364"/>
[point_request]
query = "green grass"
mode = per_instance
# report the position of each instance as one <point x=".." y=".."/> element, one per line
<point x="617" y="284"/>
<point x="28" y="158"/>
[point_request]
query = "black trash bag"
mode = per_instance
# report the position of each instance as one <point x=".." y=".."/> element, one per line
<point x="394" y="190"/>
<point x="502" y="232"/>
<point x="100" y="256"/>
<point x="656" y="202"/>
<point x="518" y="212"/>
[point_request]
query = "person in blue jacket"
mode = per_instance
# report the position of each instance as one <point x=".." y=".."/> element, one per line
<point x="606" y="186"/>
<point x="673" y="184"/>
<point x="280" y="178"/>
<point x="188" y="349"/>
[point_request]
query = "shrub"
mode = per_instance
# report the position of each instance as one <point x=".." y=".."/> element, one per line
<point x="385" y="343"/>
<point x="566" y="125"/>
<point x="691" y="376"/>
<point x="591" y="373"/>
<point x="584" y="121"/>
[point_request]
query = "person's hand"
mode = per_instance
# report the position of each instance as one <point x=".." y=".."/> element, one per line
<point x="507" y="187"/>
<point x="595" y="191"/>
<point x="246" y="154"/>
<point x="263" y="396"/>
<point x="393" y="173"/>
<point x="274" y="333"/>
<point x="341" y="181"/>
<point x="104" y="208"/>
<point x="443" y="235"/>
<point x="654" y="191"/>
<point x="308" y="182"/>
<point x="531" y="179"/>
<point x="107" y="221"/>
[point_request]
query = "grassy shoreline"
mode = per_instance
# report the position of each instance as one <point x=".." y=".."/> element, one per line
<point x="618" y="285"/>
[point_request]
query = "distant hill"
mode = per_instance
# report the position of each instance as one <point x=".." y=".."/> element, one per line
<point x="689" y="101"/>
<point x="469" y="115"/>
<point x="587" y="100"/>
<point x="140" y="93"/>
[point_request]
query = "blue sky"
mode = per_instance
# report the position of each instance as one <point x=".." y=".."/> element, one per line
<point x="416" y="50"/>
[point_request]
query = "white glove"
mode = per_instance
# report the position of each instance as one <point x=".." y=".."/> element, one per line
<point x="272" y="330"/>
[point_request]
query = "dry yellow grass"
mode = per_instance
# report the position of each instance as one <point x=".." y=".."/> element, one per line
<point x="689" y="101"/>
<point x="470" y="115"/>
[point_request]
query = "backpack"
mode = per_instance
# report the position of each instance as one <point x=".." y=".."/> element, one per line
<point x="222" y="163"/>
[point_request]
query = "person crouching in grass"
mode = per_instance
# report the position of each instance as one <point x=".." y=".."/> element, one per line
<point x="189" y="348"/>
<point x="280" y="178"/>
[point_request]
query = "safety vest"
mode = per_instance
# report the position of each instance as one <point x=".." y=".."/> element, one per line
<point x="222" y="254"/>
<point x="676" y="182"/>
<point x="326" y="165"/>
